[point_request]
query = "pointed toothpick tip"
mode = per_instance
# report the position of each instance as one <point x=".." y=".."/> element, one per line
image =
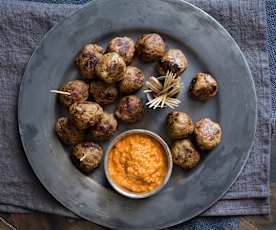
<point x="59" y="92"/>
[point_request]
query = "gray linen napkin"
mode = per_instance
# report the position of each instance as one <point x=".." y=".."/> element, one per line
<point x="22" y="25"/>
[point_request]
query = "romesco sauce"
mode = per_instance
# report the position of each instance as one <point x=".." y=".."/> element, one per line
<point x="138" y="163"/>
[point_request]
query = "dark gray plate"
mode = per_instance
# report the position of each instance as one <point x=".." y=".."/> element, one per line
<point x="208" y="48"/>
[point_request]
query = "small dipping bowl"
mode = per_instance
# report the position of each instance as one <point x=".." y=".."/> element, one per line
<point x="131" y="194"/>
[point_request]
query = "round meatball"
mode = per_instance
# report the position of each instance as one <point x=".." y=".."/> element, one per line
<point x="130" y="109"/>
<point x="179" y="124"/>
<point x="105" y="128"/>
<point x="207" y="134"/>
<point x="67" y="132"/>
<point x="203" y="86"/>
<point x="185" y="154"/>
<point x="111" y="68"/>
<point x="132" y="81"/>
<point x="85" y="113"/>
<point x="174" y="61"/>
<point x="87" y="156"/>
<point x="79" y="91"/>
<point x="103" y="93"/>
<point x="87" y="60"/>
<point x="124" y="46"/>
<point x="150" y="47"/>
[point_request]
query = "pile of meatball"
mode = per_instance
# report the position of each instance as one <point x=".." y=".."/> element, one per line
<point x="206" y="134"/>
<point x="107" y="74"/>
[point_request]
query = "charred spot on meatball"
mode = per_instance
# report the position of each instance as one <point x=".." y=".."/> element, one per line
<point x="150" y="47"/>
<point x="67" y="132"/>
<point x="179" y="124"/>
<point x="79" y="91"/>
<point x="111" y="68"/>
<point x="132" y="81"/>
<point x="85" y="114"/>
<point x="103" y="93"/>
<point x="174" y="61"/>
<point x="185" y="154"/>
<point x="207" y="134"/>
<point x="124" y="46"/>
<point x="130" y="109"/>
<point x="87" y="60"/>
<point x="87" y="156"/>
<point x="203" y="86"/>
<point x="105" y="128"/>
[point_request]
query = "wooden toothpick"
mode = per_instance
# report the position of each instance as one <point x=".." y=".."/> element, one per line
<point x="59" y="92"/>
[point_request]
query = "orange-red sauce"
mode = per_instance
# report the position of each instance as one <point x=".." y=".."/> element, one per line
<point x="138" y="163"/>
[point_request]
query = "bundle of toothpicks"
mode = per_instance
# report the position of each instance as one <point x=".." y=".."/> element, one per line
<point x="163" y="93"/>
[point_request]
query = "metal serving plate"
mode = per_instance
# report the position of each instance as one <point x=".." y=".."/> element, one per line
<point x="208" y="47"/>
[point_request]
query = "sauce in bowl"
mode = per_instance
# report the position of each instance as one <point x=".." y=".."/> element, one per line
<point x="138" y="163"/>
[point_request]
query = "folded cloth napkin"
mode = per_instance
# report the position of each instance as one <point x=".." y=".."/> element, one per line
<point x="271" y="20"/>
<point x="23" y="25"/>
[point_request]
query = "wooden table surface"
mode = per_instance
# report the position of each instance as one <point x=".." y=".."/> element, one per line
<point x="38" y="221"/>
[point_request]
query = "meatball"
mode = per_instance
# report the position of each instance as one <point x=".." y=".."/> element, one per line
<point x="150" y="47"/>
<point x="85" y="114"/>
<point x="67" y="132"/>
<point x="179" y="125"/>
<point x="87" y="156"/>
<point x="124" y="46"/>
<point x="207" y="134"/>
<point x="130" y="109"/>
<point x="103" y="93"/>
<point x="133" y="80"/>
<point x="185" y="154"/>
<point x="203" y="86"/>
<point x="111" y="68"/>
<point x="79" y="91"/>
<point x="87" y="60"/>
<point x="105" y="128"/>
<point x="174" y="61"/>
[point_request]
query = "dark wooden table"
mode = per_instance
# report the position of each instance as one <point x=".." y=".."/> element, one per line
<point x="38" y="221"/>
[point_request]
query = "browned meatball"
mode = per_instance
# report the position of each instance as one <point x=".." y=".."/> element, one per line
<point x="67" y="132"/>
<point x="150" y="47"/>
<point x="103" y="93"/>
<point x="85" y="114"/>
<point x="111" y="68"/>
<point x="185" y="154"/>
<point x="124" y="46"/>
<point x="207" y="134"/>
<point x="87" y="156"/>
<point x="179" y="124"/>
<point x="105" y="128"/>
<point x="79" y="91"/>
<point x="174" y="61"/>
<point x="203" y="86"/>
<point x="130" y="109"/>
<point x="87" y="60"/>
<point x="133" y="80"/>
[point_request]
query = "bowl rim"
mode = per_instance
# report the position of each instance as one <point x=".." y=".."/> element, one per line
<point x="132" y="194"/>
